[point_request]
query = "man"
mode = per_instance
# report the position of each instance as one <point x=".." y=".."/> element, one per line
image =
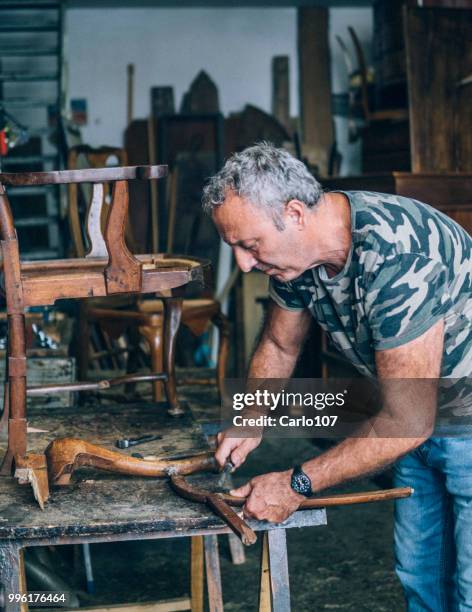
<point x="390" y="280"/>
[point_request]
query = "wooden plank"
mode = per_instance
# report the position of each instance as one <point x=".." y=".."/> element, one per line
<point x="439" y="56"/>
<point x="164" y="605"/>
<point x="213" y="574"/>
<point x="278" y="563"/>
<point x="281" y="90"/>
<point x="137" y="151"/>
<point x="265" y="600"/>
<point x="315" y="85"/>
<point x="196" y="573"/>
<point x="151" y="135"/>
<point x="88" y="175"/>
<point x="129" y="93"/>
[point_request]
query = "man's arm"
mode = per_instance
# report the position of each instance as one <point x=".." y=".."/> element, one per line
<point x="270" y="495"/>
<point x="275" y="357"/>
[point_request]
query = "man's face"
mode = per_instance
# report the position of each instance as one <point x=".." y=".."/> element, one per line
<point x="256" y="241"/>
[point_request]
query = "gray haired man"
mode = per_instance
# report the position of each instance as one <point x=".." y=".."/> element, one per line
<point x="390" y="280"/>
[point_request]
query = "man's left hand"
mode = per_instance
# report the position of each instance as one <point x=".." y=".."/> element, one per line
<point x="269" y="497"/>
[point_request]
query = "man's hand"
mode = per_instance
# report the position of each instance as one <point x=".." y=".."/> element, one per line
<point x="270" y="497"/>
<point x="235" y="449"/>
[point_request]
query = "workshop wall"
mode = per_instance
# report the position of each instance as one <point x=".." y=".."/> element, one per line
<point x="169" y="47"/>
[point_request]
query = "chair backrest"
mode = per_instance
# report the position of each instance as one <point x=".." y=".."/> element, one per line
<point x="83" y="157"/>
<point x="122" y="269"/>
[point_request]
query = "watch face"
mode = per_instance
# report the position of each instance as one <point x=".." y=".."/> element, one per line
<point x="301" y="483"/>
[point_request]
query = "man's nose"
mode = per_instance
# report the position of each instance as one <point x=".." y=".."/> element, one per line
<point x="244" y="259"/>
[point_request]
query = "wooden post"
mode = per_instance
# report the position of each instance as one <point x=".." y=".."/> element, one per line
<point x="213" y="574"/>
<point x="151" y="133"/>
<point x="196" y="575"/>
<point x="281" y="90"/>
<point x="10" y="574"/>
<point x="265" y="600"/>
<point x="130" y="93"/>
<point x="278" y="564"/>
<point x="315" y="86"/>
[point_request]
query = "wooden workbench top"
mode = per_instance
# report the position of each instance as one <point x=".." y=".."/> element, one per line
<point x="113" y="507"/>
<point x="110" y="506"/>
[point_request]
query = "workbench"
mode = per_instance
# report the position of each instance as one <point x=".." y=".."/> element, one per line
<point x="132" y="509"/>
<point x="103" y="507"/>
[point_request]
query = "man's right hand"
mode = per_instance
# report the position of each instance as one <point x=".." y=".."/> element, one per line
<point x="234" y="449"/>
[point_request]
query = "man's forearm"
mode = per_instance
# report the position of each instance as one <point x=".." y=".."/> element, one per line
<point x="356" y="457"/>
<point x="272" y="361"/>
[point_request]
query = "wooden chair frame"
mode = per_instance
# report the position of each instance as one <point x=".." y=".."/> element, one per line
<point x="108" y="268"/>
<point x="148" y="316"/>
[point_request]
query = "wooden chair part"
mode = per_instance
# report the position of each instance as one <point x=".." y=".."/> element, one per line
<point x="43" y="282"/>
<point x="196" y="314"/>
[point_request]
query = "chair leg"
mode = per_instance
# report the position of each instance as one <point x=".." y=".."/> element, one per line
<point x="16" y="378"/>
<point x="153" y="335"/>
<point x="83" y="344"/>
<point x="172" y="317"/>
<point x="221" y="321"/>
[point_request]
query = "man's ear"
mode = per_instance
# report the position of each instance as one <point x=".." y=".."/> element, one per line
<point x="295" y="211"/>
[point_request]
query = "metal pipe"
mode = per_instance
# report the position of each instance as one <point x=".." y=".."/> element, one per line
<point x="94" y="386"/>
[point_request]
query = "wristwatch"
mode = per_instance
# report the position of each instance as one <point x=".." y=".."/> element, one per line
<point x="300" y="482"/>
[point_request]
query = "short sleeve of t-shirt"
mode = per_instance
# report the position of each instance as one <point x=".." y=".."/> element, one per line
<point x="284" y="295"/>
<point x="407" y="296"/>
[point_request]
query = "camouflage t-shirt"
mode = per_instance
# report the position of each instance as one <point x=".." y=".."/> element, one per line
<point x="409" y="266"/>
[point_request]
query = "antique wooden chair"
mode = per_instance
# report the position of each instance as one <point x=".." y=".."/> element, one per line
<point x="108" y="268"/>
<point x="144" y="314"/>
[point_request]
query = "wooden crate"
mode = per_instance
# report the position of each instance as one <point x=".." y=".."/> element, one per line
<point x="44" y="370"/>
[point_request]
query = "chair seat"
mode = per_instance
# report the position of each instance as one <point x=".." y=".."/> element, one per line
<point x="44" y="282"/>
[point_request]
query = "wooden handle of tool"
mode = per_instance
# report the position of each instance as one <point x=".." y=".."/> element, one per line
<point x="229" y="516"/>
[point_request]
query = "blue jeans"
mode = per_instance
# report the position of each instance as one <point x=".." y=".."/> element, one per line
<point x="433" y="527"/>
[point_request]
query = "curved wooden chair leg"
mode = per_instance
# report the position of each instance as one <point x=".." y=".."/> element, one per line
<point x="221" y="321"/>
<point x="172" y="318"/>
<point x="153" y="335"/>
